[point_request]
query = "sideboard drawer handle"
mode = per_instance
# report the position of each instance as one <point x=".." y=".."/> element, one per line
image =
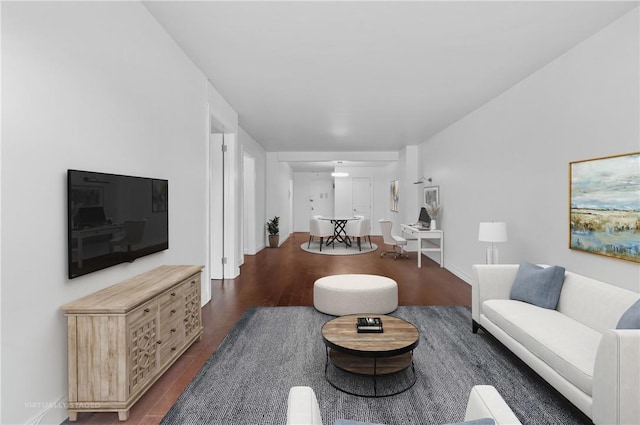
<point x="173" y="294"/>
<point x="146" y="310"/>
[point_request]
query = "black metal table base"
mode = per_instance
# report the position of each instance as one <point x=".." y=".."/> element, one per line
<point x="374" y="377"/>
<point x="339" y="233"/>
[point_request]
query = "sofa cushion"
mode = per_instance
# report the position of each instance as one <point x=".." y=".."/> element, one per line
<point x="631" y="318"/>
<point x="566" y="345"/>
<point x="594" y="303"/>
<point x="537" y="285"/>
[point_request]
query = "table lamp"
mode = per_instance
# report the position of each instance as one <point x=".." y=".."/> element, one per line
<point x="492" y="232"/>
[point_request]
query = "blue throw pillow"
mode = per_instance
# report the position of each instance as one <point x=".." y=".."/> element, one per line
<point x="350" y="422"/>
<point x="483" y="421"/>
<point x="631" y="318"/>
<point x="537" y="285"/>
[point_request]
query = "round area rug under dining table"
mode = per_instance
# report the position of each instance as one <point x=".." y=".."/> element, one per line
<point x="339" y="248"/>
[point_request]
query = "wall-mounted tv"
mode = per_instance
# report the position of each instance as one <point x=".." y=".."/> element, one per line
<point x="114" y="219"/>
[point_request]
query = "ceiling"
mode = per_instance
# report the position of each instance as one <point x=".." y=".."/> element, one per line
<point x="363" y="76"/>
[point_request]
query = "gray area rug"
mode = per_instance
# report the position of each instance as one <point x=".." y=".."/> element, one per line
<point x="247" y="380"/>
<point x="339" y="248"/>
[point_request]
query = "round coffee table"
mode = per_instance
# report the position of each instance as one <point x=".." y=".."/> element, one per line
<point x="371" y="354"/>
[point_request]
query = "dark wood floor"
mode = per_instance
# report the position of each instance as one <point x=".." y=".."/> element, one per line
<point x="284" y="277"/>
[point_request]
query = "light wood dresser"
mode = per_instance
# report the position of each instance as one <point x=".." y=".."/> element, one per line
<point x="124" y="337"/>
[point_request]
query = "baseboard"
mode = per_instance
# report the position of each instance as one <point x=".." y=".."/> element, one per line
<point x="459" y="273"/>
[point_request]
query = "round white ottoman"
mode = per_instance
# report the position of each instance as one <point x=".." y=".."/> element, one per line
<point x="344" y="294"/>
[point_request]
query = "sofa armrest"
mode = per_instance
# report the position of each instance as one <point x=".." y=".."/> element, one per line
<point x="490" y="282"/>
<point x="486" y="402"/>
<point x="302" y="407"/>
<point x="616" y="374"/>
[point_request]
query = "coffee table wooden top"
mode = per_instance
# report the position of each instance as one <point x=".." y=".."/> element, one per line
<point x="399" y="336"/>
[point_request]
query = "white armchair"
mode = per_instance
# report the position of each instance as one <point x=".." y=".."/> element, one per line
<point x="320" y="228"/>
<point x="484" y="402"/>
<point x="357" y="229"/>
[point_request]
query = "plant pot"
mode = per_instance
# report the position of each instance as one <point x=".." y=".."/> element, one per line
<point x="274" y="240"/>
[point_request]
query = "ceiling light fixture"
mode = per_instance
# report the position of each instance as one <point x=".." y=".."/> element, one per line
<point x="423" y="180"/>
<point x="339" y="174"/>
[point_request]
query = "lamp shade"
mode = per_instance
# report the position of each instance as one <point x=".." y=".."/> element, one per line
<point x="492" y="232"/>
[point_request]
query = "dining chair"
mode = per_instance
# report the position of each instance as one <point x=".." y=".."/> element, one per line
<point x="357" y="229"/>
<point x="320" y="228"/>
<point x="391" y="239"/>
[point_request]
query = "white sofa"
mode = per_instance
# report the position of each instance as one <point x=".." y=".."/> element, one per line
<point x="576" y="347"/>
<point x="484" y="402"/>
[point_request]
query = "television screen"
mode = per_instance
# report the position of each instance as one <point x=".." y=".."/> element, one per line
<point x="424" y="218"/>
<point x="114" y="219"/>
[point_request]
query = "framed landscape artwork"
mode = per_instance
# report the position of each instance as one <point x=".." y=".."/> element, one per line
<point x="604" y="215"/>
<point x="394" y="198"/>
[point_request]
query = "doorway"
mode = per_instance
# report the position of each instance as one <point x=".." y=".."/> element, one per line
<point x="249" y="205"/>
<point x="361" y="196"/>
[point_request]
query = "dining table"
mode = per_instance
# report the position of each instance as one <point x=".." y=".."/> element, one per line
<point x="339" y="229"/>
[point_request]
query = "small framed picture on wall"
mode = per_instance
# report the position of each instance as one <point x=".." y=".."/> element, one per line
<point x="432" y="195"/>
<point x="395" y="199"/>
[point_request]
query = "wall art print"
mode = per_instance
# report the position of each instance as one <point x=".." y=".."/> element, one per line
<point x="604" y="216"/>
<point x="395" y="199"/>
<point x="432" y="195"/>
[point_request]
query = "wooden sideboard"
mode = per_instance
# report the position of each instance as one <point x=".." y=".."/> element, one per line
<point x="124" y="337"/>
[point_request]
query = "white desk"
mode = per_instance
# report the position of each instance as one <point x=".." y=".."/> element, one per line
<point x="429" y="237"/>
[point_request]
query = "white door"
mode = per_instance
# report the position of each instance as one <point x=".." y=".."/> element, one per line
<point x="362" y="197"/>
<point x="321" y="198"/>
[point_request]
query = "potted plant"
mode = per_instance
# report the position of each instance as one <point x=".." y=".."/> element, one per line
<point x="273" y="227"/>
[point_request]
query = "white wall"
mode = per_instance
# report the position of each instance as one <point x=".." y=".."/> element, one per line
<point x="380" y="183"/>
<point x="255" y="150"/>
<point x="302" y="186"/>
<point x="508" y="160"/>
<point x="97" y="86"/>
<point x="278" y="195"/>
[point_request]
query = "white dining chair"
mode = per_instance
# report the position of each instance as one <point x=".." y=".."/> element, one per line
<point x="320" y="228"/>
<point x="358" y="229"/>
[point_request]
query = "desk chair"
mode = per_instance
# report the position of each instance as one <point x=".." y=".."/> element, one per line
<point x="357" y="229"/>
<point x="390" y="239"/>
<point x="321" y="229"/>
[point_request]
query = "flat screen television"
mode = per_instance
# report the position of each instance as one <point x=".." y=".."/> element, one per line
<point x="424" y="218"/>
<point x="112" y="219"/>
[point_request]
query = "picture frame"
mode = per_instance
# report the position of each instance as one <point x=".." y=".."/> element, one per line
<point x="394" y="196"/>
<point x="431" y="194"/>
<point x="159" y="195"/>
<point x="604" y="206"/>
